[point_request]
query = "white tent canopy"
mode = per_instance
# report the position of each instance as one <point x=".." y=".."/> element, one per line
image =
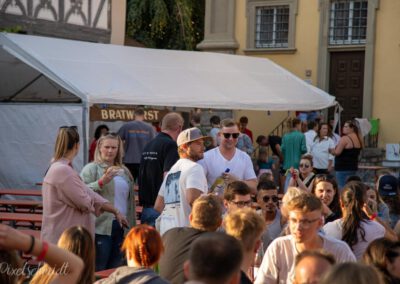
<point x="112" y="74"/>
<point x="49" y="82"/>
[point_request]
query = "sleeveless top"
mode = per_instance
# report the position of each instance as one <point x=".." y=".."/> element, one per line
<point x="348" y="159"/>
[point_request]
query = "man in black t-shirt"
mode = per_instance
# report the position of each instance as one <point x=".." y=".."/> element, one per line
<point x="275" y="144"/>
<point x="158" y="156"/>
<point x="206" y="216"/>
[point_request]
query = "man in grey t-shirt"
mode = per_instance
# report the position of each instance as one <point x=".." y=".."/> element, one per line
<point x="135" y="134"/>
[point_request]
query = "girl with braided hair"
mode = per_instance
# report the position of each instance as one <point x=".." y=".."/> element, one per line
<point x="143" y="247"/>
<point x="355" y="227"/>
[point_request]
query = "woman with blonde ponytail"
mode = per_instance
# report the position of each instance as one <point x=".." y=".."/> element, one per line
<point x="67" y="200"/>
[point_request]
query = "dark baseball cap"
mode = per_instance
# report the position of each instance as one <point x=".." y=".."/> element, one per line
<point x="388" y="185"/>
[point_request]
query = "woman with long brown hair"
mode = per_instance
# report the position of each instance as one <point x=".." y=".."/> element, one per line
<point x="319" y="149"/>
<point x="346" y="152"/>
<point x="67" y="200"/>
<point x="355" y="228"/>
<point x="326" y="189"/>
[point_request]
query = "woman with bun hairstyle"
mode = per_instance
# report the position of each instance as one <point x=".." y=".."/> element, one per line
<point x="67" y="200"/>
<point x="108" y="177"/>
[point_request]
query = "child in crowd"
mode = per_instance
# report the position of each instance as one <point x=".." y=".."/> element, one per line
<point x="264" y="163"/>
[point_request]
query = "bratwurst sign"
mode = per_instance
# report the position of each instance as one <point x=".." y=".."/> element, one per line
<point x="124" y="114"/>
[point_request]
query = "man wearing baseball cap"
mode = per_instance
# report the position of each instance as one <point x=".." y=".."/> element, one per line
<point x="184" y="183"/>
<point x="387" y="186"/>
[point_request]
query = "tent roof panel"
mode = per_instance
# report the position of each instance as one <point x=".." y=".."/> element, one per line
<point x="105" y="73"/>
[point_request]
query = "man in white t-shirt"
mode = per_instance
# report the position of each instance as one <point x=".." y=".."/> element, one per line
<point x="226" y="156"/>
<point x="312" y="127"/>
<point x="305" y="220"/>
<point x="184" y="183"/>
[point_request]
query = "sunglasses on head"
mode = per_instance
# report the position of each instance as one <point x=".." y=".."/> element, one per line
<point x="227" y="135"/>
<point x="304" y="166"/>
<point x="274" y="198"/>
<point x="113" y="134"/>
<point x="66" y="126"/>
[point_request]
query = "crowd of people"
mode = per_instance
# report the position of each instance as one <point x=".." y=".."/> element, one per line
<point x="214" y="210"/>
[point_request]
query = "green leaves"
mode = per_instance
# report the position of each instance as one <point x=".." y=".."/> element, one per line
<point x="169" y="24"/>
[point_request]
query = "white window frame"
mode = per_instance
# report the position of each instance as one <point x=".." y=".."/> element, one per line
<point x="252" y="6"/>
<point x="349" y="40"/>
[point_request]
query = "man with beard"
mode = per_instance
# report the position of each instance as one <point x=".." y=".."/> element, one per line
<point x="305" y="221"/>
<point x="184" y="182"/>
<point x="268" y="200"/>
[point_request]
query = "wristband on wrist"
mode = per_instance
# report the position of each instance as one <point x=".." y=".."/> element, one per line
<point x="29" y="251"/>
<point x="373" y="216"/>
<point x="100" y="182"/>
<point x="42" y="255"/>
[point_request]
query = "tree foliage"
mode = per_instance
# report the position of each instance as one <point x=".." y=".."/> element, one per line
<point x="169" y="24"/>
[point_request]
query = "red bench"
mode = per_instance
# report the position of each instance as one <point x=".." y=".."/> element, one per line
<point x="27" y="192"/>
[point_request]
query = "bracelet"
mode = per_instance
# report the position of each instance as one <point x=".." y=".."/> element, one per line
<point x="100" y="182"/>
<point x="42" y="255"/>
<point x="373" y="216"/>
<point x="29" y="251"/>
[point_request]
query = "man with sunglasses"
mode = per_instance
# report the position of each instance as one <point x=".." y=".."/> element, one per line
<point x="305" y="221"/>
<point x="268" y="200"/>
<point x="227" y="156"/>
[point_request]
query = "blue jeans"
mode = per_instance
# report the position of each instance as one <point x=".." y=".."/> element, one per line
<point x="108" y="248"/>
<point x="341" y="177"/>
<point x="287" y="180"/>
<point x="149" y="216"/>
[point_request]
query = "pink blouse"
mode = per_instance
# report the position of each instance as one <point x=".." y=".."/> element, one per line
<point x="67" y="202"/>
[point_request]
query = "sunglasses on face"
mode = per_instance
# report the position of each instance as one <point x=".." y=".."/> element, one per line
<point x="228" y="135"/>
<point x="267" y="198"/>
<point x="304" y="166"/>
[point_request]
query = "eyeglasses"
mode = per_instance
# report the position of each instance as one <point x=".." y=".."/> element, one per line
<point x="267" y="198"/>
<point x="242" y="203"/>
<point x="66" y="126"/>
<point x="304" y="166"/>
<point x="228" y="135"/>
<point x="303" y="223"/>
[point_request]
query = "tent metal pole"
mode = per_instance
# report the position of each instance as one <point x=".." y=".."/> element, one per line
<point x="85" y="114"/>
<point x="23" y="88"/>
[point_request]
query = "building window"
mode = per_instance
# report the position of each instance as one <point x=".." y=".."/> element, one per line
<point x="271" y="25"/>
<point x="348" y="22"/>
